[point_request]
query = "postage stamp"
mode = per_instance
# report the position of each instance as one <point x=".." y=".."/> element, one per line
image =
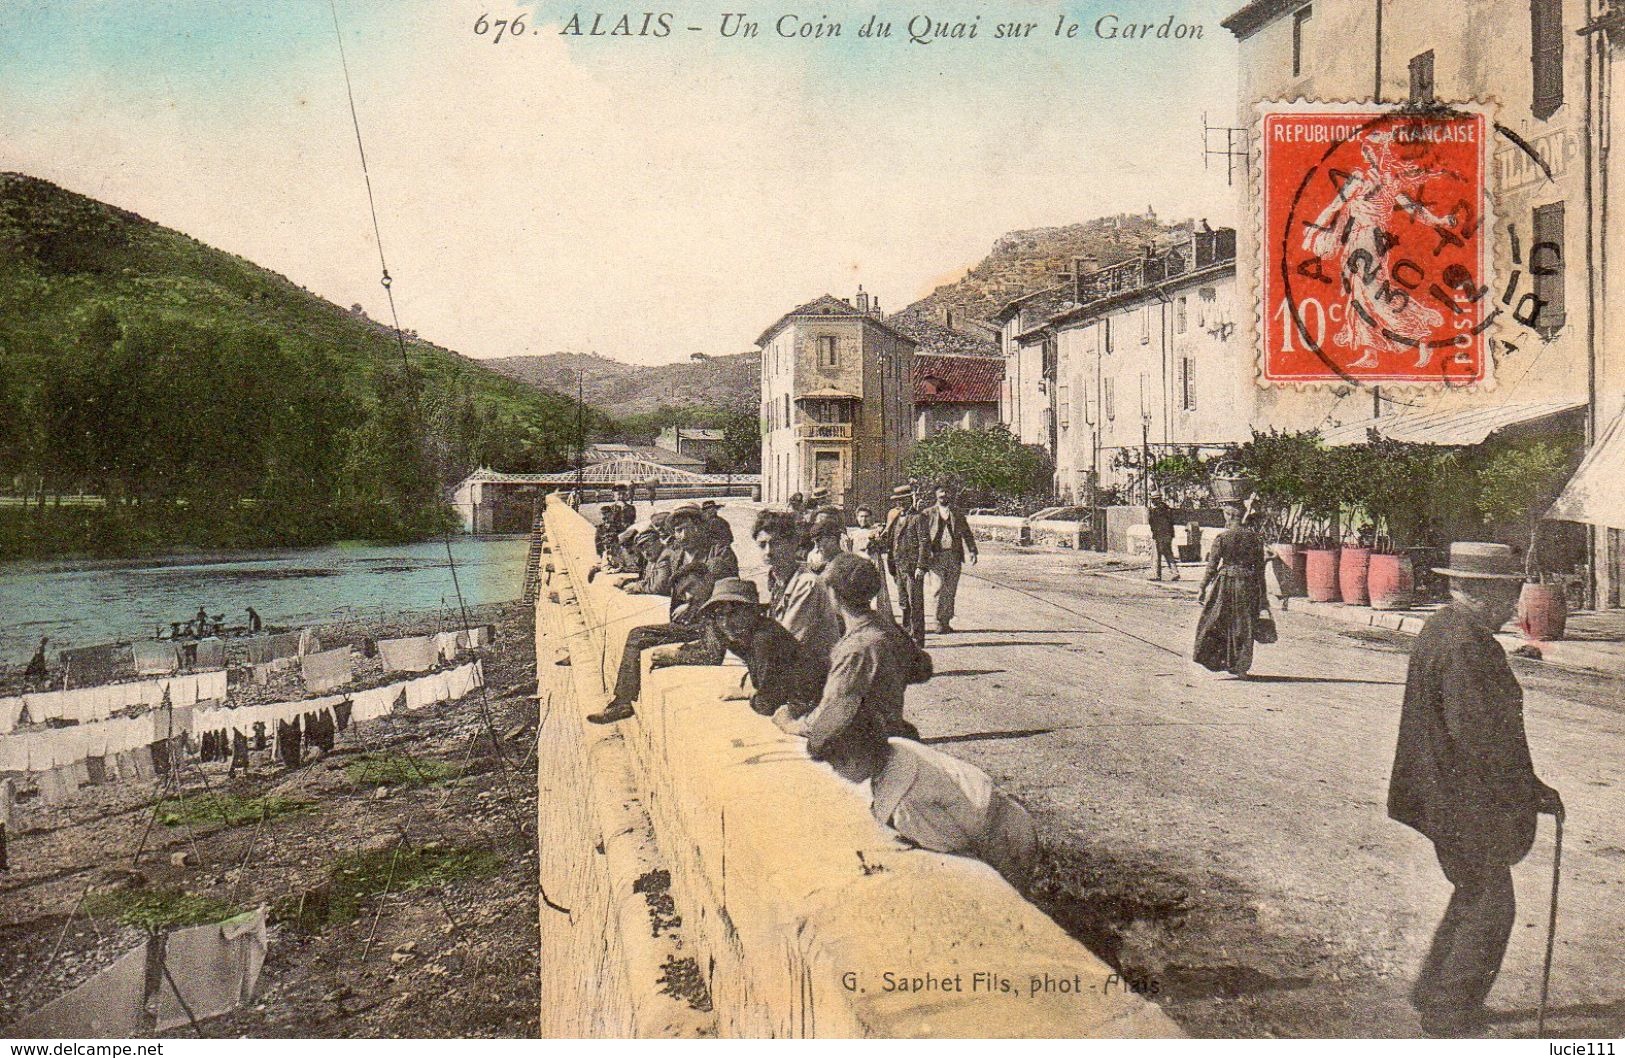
<point x="1375" y="245"/>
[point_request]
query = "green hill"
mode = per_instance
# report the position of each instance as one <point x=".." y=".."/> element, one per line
<point x="211" y="402"/>
<point x="627" y="391"/>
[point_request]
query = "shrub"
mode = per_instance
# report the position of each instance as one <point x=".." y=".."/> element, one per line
<point x="988" y="465"/>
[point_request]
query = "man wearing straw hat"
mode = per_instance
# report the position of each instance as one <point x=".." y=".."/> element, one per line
<point x="781" y="673"/>
<point x="1463" y="778"/>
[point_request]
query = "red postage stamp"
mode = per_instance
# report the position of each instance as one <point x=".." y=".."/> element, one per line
<point x="1375" y="246"/>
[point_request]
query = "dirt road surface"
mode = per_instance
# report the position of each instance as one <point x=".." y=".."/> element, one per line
<point x="1226" y="842"/>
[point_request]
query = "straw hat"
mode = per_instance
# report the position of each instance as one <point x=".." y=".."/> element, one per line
<point x="1479" y="561"/>
<point x="902" y="492"/>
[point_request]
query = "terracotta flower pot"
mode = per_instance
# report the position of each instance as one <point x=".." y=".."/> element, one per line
<point x="1543" y="611"/>
<point x="1390" y="581"/>
<point x="1292" y="556"/>
<point x="1320" y="574"/>
<point x="1352" y="568"/>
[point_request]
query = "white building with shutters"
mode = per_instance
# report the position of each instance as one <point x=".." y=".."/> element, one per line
<point x="1527" y="56"/>
<point x="1148" y="360"/>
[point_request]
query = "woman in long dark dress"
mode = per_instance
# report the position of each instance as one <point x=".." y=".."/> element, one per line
<point x="1232" y="594"/>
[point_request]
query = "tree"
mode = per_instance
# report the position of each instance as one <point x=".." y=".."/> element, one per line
<point x="992" y="464"/>
<point x="740" y="450"/>
<point x="1518" y="484"/>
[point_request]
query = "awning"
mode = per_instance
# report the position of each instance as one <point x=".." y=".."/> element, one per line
<point x="827" y="394"/>
<point x="1596" y="493"/>
<point x="1467" y="426"/>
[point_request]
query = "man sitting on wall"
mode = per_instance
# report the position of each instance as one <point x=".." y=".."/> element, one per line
<point x="931" y="799"/>
<point x="657" y="570"/>
<point x="871" y="667"/>
<point x="800" y="600"/>
<point x="699" y="542"/>
<point x="690" y="590"/>
<point x="778" y="672"/>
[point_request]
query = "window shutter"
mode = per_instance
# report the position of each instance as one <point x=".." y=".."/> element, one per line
<point x="1546" y="55"/>
<point x="1546" y="254"/>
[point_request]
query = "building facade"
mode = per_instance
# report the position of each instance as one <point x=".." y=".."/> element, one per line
<point x="695" y="442"/>
<point x="1541" y="64"/>
<point x="1027" y="394"/>
<point x="955" y="393"/>
<point x="1146" y="363"/>
<point x="837" y="404"/>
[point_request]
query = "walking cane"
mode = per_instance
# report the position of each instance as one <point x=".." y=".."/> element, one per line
<point x="1551" y="928"/>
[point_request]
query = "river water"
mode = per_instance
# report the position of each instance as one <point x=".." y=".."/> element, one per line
<point x="80" y="603"/>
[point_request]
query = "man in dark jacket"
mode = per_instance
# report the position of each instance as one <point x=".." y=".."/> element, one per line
<point x="908" y="554"/>
<point x="780" y="672"/>
<point x="721" y="532"/>
<point x="951" y="546"/>
<point x="1161" y="519"/>
<point x="624" y="511"/>
<point x="1463" y="778"/>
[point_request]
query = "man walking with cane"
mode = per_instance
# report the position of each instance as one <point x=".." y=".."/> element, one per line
<point x="1463" y="778"/>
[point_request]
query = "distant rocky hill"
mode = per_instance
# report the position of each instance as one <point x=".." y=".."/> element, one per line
<point x="945" y="321"/>
<point x="621" y="390"/>
<point x="1023" y="261"/>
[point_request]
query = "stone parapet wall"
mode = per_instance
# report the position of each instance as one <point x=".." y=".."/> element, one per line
<point x="799" y="902"/>
<point x="1005" y="528"/>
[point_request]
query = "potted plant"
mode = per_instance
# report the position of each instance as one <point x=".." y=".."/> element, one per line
<point x="1515" y="487"/>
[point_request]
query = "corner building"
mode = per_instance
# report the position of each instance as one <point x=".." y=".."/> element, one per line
<point x="837" y="404"/>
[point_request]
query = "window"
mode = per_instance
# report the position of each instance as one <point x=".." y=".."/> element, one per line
<point x="1180" y="318"/>
<point x="1109" y="397"/>
<point x="1106" y="324"/>
<point x="1065" y="401"/>
<point x="1546" y="265"/>
<point x="786" y="412"/>
<point x="827" y="353"/>
<point x="1422" y="78"/>
<point x="1145" y="323"/>
<point x="1187" y="383"/>
<point x="1300" y="20"/>
<point x="1546" y="55"/>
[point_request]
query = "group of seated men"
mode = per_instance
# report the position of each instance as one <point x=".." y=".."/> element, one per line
<point x="823" y="662"/>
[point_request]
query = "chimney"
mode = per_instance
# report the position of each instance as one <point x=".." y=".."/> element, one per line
<point x="948" y="318"/>
<point x="878" y="314"/>
<point x="863" y="300"/>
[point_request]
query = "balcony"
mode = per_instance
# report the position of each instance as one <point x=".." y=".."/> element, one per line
<point x="824" y="431"/>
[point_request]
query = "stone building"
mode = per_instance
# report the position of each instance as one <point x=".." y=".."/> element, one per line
<point x="954" y="392"/>
<point x="1145" y="359"/>
<point x="1541" y="63"/>
<point x="837" y="405"/>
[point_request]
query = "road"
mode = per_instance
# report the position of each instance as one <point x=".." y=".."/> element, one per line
<point x="1227" y="840"/>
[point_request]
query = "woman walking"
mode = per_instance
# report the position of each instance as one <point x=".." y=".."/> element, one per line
<point x="1230" y="614"/>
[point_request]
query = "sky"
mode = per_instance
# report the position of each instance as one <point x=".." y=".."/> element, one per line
<point x="643" y="198"/>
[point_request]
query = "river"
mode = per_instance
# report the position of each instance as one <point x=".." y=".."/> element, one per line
<point x="85" y="602"/>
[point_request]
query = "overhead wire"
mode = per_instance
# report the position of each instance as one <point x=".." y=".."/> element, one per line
<point x="416" y="411"/>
